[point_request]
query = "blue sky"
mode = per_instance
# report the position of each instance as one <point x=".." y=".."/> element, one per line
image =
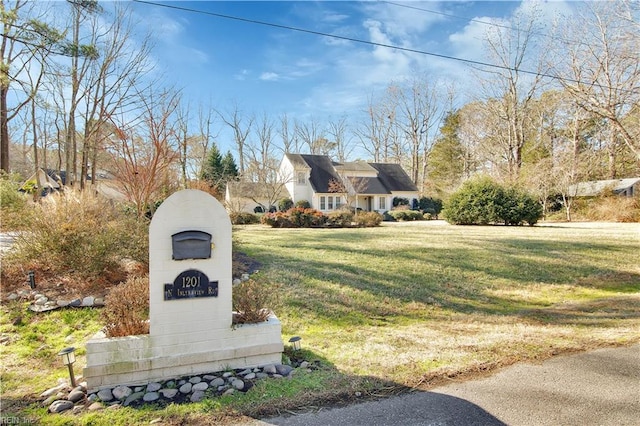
<point x="261" y="69"/>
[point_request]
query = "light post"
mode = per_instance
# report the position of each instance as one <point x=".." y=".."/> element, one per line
<point x="68" y="358"/>
<point x="295" y="341"/>
<point x="32" y="279"/>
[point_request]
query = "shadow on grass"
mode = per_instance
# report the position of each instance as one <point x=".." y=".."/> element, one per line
<point x="366" y="284"/>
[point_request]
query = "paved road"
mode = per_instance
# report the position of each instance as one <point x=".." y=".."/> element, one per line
<point x="600" y="387"/>
<point x="6" y="240"/>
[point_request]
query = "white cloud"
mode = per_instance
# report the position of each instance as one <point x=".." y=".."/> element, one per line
<point x="334" y="18"/>
<point x="269" y="76"/>
<point x="242" y="75"/>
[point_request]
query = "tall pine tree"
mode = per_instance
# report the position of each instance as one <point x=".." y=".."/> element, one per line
<point x="229" y="167"/>
<point x="447" y="156"/>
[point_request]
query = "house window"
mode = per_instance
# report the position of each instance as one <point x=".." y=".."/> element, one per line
<point x="323" y="203"/>
<point x="338" y="202"/>
<point x="330" y="203"/>
<point x="302" y="178"/>
<point x="382" y="203"/>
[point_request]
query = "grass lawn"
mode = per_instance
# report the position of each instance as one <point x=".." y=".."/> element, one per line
<point x="407" y="301"/>
<point x="401" y="305"/>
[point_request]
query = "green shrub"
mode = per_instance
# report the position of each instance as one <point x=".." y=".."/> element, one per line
<point x="388" y="217"/>
<point x="285" y="204"/>
<point x="340" y="218"/>
<point x="483" y="201"/>
<point x="303" y="204"/>
<point x="406" y="215"/>
<point x="126" y="311"/>
<point x="400" y="201"/>
<point x="368" y="219"/>
<point x="244" y="218"/>
<point x="430" y="205"/>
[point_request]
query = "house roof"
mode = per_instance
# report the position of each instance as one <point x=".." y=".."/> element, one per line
<point x="297" y="161"/>
<point x="390" y="177"/>
<point x="46" y="180"/>
<point x="368" y="185"/>
<point x="393" y="177"/>
<point x="597" y="187"/>
<point x="251" y="190"/>
<point x="354" y="166"/>
<point x="322" y="171"/>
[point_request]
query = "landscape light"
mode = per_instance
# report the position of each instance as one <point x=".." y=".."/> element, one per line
<point x="295" y="341"/>
<point x="32" y="279"/>
<point x="68" y="358"/>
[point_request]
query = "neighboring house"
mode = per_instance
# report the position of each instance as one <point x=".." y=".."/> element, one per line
<point x="329" y="185"/>
<point x="625" y="187"/>
<point x="54" y="180"/>
<point x="48" y="180"/>
<point x="252" y="197"/>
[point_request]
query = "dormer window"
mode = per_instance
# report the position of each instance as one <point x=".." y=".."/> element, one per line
<point x="302" y="178"/>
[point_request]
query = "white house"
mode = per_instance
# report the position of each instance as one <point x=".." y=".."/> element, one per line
<point x="329" y="185"/>
<point x="624" y="187"/>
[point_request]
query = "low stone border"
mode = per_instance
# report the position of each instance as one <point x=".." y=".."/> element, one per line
<point x="180" y="390"/>
<point x="41" y="303"/>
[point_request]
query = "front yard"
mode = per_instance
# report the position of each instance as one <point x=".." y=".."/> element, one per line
<point x="382" y="310"/>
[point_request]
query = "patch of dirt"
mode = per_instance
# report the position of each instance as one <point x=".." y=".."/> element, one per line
<point x="243" y="264"/>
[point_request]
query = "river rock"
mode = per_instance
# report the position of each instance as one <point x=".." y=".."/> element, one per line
<point x="105" y="395"/>
<point x="76" y="395"/>
<point x="60" y="406"/>
<point x="197" y="396"/>
<point x="169" y="393"/>
<point x="150" y="396"/>
<point x="133" y="398"/>
<point x="121" y="392"/>
<point x="202" y="386"/>
<point x="238" y="384"/>
<point x="153" y="387"/>
<point x="186" y="388"/>
<point x="218" y="381"/>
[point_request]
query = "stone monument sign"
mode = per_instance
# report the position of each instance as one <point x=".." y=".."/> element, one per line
<point x="190" y="304"/>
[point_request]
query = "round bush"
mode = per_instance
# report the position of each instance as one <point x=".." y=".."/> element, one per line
<point x="285" y="204"/>
<point x="483" y="201"/>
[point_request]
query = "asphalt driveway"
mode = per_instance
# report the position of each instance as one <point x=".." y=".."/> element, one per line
<point x="600" y="387"/>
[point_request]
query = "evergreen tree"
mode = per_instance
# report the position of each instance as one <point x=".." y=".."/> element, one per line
<point x="219" y="170"/>
<point x="447" y="156"/>
<point x="213" y="170"/>
<point x="229" y="167"/>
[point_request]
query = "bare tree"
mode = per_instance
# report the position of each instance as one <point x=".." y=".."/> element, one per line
<point x="313" y="135"/>
<point x="602" y="71"/>
<point x="287" y="132"/>
<point x="337" y="130"/>
<point x="111" y="82"/>
<point x="145" y="151"/>
<point x="241" y="127"/>
<point x="263" y="163"/>
<point x="80" y="64"/>
<point x="419" y="112"/>
<point x="512" y="91"/>
<point x="378" y="135"/>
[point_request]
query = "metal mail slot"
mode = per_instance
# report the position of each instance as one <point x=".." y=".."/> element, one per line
<point x="191" y="245"/>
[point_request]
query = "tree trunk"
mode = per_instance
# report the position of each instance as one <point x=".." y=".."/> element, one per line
<point x="4" y="129"/>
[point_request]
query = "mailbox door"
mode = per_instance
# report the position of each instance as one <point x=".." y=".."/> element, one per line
<point x="191" y="245"/>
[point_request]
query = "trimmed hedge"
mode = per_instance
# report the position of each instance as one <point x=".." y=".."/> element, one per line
<point x="299" y="217"/>
<point x="406" y="215"/>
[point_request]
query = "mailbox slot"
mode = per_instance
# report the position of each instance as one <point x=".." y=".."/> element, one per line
<point x="191" y="245"/>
